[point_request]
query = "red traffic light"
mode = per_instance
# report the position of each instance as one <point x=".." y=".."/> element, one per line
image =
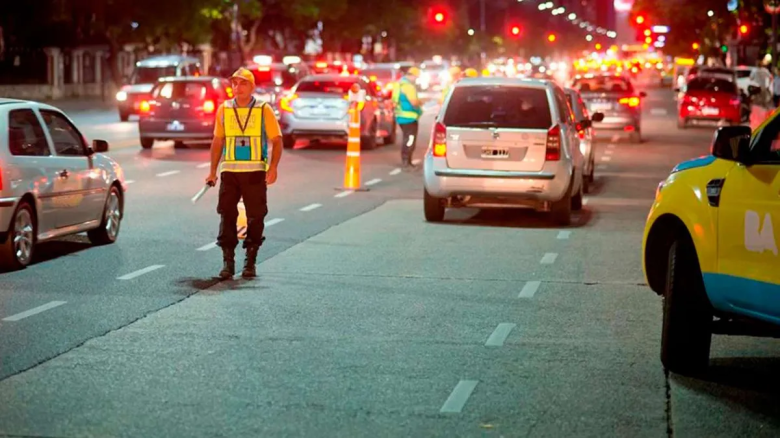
<point x="551" y="37"/>
<point x="515" y="30"/>
<point x="640" y="19"/>
<point x="439" y="17"/>
<point x="743" y="29"/>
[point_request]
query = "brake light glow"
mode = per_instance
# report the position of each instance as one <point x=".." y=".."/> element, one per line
<point x="630" y="101"/>
<point x="580" y="131"/>
<point x="321" y="64"/>
<point x="286" y="103"/>
<point x="439" y="140"/>
<point x="1" y="180"/>
<point x="209" y="107"/>
<point x="735" y="101"/>
<point x="264" y="69"/>
<point x="553" y="152"/>
<point x="144" y="107"/>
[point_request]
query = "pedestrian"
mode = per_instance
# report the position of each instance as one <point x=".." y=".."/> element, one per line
<point x="408" y="110"/>
<point x="243" y="131"/>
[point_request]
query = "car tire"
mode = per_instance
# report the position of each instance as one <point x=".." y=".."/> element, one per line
<point x="108" y="231"/>
<point x="179" y="145"/>
<point x="561" y="210"/>
<point x="682" y="123"/>
<point x="391" y="138"/>
<point x="434" y="207"/>
<point x="147" y="143"/>
<point x="124" y="116"/>
<point x="576" y="200"/>
<point x="19" y="247"/>
<point x="288" y="141"/>
<point x="687" y="315"/>
<point x="368" y="142"/>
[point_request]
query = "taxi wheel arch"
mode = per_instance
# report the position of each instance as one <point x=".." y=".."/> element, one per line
<point x="662" y="235"/>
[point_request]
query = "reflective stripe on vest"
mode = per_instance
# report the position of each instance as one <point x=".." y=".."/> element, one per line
<point x="397" y="92"/>
<point x="245" y="151"/>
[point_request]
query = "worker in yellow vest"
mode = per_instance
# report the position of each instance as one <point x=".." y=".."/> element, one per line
<point x="244" y="129"/>
<point x="408" y="110"/>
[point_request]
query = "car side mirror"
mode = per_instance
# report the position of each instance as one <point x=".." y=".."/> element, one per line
<point x="585" y="123"/>
<point x="597" y="117"/>
<point x="753" y="90"/>
<point x="642" y="94"/>
<point x="732" y="143"/>
<point x="99" y="146"/>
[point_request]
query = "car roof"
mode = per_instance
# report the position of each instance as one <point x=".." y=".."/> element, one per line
<point x="331" y="77"/>
<point x="528" y="82"/>
<point x="189" y="78"/>
<point x="166" y="61"/>
<point x="28" y="104"/>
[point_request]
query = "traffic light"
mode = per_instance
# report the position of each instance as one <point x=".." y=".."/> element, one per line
<point x="744" y="29"/>
<point x="551" y="37"/>
<point x="648" y="32"/>
<point x="640" y="19"/>
<point x="598" y="46"/>
<point x="648" y="40"/>
<point x="515" y="30"/>
<point x="724" y="48"/>
<point x="695" y="46"/>
<point x="438" y="16"/>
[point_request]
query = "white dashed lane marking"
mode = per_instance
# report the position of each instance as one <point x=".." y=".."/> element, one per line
<point x="168" y="173"/>
<point x="272" y="222"/>
<point x="529" y="289"/>
<point x="140" y="272"/>
<point x="564" y="234"/>
<point x="395" y="171"/>
<point x="549" y="258"/>
<point x="374" y="181"/>
<point x="416" y="162"/>
<point x="34" y="311"/>
<point x="610" y="146"/>
<point x="606" y="158"/>
<point x="459" y="396"/>
<point x="500" y="334"/>
<point x="211" y="245"/>
<point x="343" y="194"/>
<point x="615" y="138"/>
<point x="203" y="165"/>
<point x="129" y="181"/>
<point x="585" y="200"/>
<point x="311" y="207"/>
<point x="602" y="167"/>
<point x="658" y="112"/>
<point x="609" y="151"/>
<point x="268" y="223"/>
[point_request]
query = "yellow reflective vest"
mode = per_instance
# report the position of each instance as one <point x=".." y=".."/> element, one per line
<point x="246" y="143"/>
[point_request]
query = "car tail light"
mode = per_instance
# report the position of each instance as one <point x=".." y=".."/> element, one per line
<point x="286" y="103"/>
<point x="735" y="101"/>
<point x="321" y="65"/>
<point x="580" y="131"/>
<point x="553" y="152"/>
<point x="144" y="107"/>
<point x="1" y="180"/>
<point x="209" y="107"/>
<point x="630" y="101"/>
<point x="439" y="140"/>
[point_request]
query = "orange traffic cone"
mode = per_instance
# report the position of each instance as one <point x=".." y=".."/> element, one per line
<point x="352" y="165"/>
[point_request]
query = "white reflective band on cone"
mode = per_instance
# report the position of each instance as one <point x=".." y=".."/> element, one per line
<point x="353" y="154"/>
<point x="354" y="125"/>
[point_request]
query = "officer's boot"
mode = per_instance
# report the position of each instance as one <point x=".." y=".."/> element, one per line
<point x="249" y="263"/>
<point x="229" y="266"/>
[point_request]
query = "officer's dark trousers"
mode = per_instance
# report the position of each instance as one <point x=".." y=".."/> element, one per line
<point x="234" y="186"/>
<point x="409" y="131"/>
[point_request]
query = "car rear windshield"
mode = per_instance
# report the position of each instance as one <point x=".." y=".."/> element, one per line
<point x="182" y="90"/>
<point x="149" y="75"/>
<point x="273" y="78"/>
<point x="743" y="74"/>
<point x="603" y="84"/>
<point x="716" y="85"/>
<point x="335" y="87"/>
<point x="499" y="107"/>
<point x="382" y="74"/>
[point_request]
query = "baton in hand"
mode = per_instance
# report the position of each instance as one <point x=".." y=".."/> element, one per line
<point x="202" y="192"/>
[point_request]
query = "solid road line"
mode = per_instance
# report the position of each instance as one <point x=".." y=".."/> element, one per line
<point x="564" y="235"/>
<point x="34" y="311"/>
<point x="374" y="181"/>
<point x="529" y="289"/>
<point x="168" y="173"/>
<point x="549" y="258"/>
<point x="500" y="334"/>
<point x="395" y="171"/>
<point x="459" y="396"/>
<point x="140" y="272"/>
<point x="311" y="207"/>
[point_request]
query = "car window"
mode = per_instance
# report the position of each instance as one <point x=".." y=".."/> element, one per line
<point x="715" y="85"/>
<point x="149" y="75"/>
<point x="25" y="135"/>
<point x="498" y="106"/>
<point x="335" y="87"/>
<point x="577" y="107"/>
<point x="181" y="90"/>
<point x="564" y="110"/>
<point x="67" y="139"/>
<point x="765" y="148"/>
<point x="741" y="74"/>
<point x="602" y="84"/>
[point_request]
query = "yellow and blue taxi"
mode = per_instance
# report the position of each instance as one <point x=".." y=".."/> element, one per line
<point x="710" y="247"/>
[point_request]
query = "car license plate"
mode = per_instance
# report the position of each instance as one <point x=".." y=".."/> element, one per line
<point x="175" y="126"/>
<point x="710" y="111"/>
<point x="600" y="106"/>
<point x="491" y="152"/>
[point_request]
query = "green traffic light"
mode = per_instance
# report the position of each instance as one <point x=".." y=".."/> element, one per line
<point x="724" y="48"/>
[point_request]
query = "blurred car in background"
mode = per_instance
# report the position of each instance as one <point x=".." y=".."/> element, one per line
<point x="616" y="98"/>
<point x="385" y="75"/>
<point x="145" y="76"/>
<point x="584" y="124"/>
<point x="272" y="80"/>
<point x="182" y="109"/>
<point x="434" y="75"/>
<point x="316" y="109"/>
<point x="709" y="98"/>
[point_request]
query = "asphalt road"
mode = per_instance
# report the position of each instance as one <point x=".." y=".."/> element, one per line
<point x="366" y="320"/>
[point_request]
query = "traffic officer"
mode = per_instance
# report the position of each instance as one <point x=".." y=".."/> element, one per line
<point x="408" y="110"/>
<point x="456" y="74"/>
<point x="243" y="130"/>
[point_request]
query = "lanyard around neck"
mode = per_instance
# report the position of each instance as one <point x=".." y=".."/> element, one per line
<point x="243" y="126"/>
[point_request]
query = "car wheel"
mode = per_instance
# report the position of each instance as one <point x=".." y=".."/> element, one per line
<point x="561" y="210"/>
<point x="179" y="145"/>
<point x="687" y="321"/>
<point x="682" y="123"/>
<point x="434" y="207"/>
<point x="576" y="200"/>
<point x="124" y="116"/>
<point x="368" y="142"/>
<point x="391" y="138"/>
<point x="288" y="141"/>
<point x="108" y="231"/>
<point x="147" y="143"/>
<point x="19" y="246"/>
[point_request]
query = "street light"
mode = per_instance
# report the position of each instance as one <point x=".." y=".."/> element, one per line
<point x="471" y="32"/>
<point x="710" y="13"/>
<point x="572" y="16"/>
<point x="588" y="38"/>
<point x="515" y="30"/>
<point x="743" y="30"/>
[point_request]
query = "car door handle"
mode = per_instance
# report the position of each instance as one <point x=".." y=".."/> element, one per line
<point x="64" y="173"/>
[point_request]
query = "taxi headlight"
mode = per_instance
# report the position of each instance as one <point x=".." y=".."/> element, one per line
<point x="121" y="96"/>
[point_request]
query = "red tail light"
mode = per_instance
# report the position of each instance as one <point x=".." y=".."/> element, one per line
<point x="286" y="103"/>
<point x="735" y="101"/>
<point x="209" y="107"/>
<point x="632" y="102"/>
<point x="144" y="107"/>
<point x="439" y="140"/>
<point x="1" y="180"/>
<point x="580" y="131"/>
<point x="553" y="152"/>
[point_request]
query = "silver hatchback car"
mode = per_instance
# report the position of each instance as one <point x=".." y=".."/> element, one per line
<point x="501" y="142"/>
<point x="52" y="183"/>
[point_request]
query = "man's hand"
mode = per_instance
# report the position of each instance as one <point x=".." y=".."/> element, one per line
<point x="211" y="180"/>
<point x="270" y="176"/>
